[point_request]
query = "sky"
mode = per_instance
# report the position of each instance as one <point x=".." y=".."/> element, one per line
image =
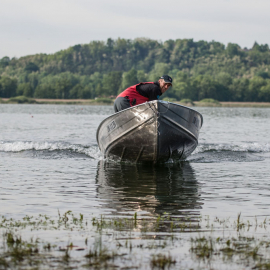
<point x="47" y="26"/>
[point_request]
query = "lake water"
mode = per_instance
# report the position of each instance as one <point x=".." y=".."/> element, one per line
<point x="50" y="162"/>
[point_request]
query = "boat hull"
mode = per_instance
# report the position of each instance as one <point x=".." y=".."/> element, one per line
<point x="154" y="131"/>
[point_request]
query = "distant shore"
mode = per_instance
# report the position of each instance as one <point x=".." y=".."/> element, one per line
<point x="98" y="102"/>
<point x="243" y="104"/>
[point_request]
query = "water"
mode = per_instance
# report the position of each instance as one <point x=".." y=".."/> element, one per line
<point x="50" y="162"/>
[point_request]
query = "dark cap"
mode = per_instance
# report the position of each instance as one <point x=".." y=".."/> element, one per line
<point x="166" y="78"/>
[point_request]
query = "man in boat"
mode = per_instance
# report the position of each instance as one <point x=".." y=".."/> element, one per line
<point x="142" y="92"/>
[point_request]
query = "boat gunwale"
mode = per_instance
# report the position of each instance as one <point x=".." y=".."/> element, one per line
<point x="161" y="101"/>
<point x="154" y="101"/>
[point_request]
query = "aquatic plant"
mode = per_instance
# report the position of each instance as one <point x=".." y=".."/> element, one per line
<point x="110" y="242"/>
<point x="162" y="261"/>
<point x="202" y="247"/>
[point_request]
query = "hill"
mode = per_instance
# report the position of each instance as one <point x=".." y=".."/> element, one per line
<point x="101" y="69"/>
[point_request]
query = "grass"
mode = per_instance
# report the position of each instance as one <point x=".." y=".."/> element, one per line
<point x="209" y="102"/>
<point x="162" y="261"/>
<point x="202" y="247"/>
<point x="18" y="253"/>
<point x="21" y="100"/>
<point x="122" y="242"/>
<point x="228" y="249"/>
<point x="187" y="102"/>
<point x="100" y="258"/>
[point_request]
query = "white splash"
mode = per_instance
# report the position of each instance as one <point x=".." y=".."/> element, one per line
<point x="243" y="147"/>
<point x="18" y="146"/>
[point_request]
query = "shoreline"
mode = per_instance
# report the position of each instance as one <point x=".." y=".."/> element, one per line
<point x="244" y="104"/>
<point x="94" y="102"/>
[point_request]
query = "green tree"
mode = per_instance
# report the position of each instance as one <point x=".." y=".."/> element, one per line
<point x="75" y="91"/>
<point x="260" y="48"/>
<point x="264" y="92"/>
<point x="44" y="91"/>
<point x="4" y="61"/>
<point x="252" y="92"/>
<point x="212" y="70"/>
<point x="209" y="88"/>
<point x="128" y="78"/>
<point x="99" y="91"/>
<point x="159" y="70"/>
<point x="24" y="89"/>
<point x="233" y="49"/>
<point x="86" y="92"/>
<point x="263" y="74"/>
<point x="31" y="67"/>
<point x="141" y="76"/>
<point x="33" y="79"/>
<point x="224" y="78"/>
<point x="181" y="87"/>
<point x="111" y="83"/>
<point x="8" y="87"/>
<point x="238" y="89"/>
<point x="62" y="88"/>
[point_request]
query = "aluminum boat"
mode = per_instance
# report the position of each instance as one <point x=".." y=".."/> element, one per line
<point x="155" y="131"/>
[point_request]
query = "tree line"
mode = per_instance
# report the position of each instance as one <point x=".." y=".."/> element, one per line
<point x="103" y="69"/>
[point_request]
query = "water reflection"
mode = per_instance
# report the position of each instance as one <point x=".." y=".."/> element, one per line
<point x="150" y="190"/>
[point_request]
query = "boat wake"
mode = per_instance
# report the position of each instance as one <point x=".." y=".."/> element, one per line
<point x="253" y="147"/>
<point x="244" y="152"/>
<point x="204" y="153"/>
<point x="51" y="150"/>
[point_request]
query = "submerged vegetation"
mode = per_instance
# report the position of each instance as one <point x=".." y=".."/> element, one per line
<point x="161" y="242"/>
<point x="101" y="69"/>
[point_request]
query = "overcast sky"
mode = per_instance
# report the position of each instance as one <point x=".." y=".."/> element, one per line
<point x="47" y="26"/>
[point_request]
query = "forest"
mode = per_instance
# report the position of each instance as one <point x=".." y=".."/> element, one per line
<point x="104" y="68"/>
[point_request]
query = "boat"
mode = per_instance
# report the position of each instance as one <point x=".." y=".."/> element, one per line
<point x="155" y="131"/>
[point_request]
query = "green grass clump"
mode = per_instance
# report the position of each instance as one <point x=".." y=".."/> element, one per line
<point x="21" y="99"/>
<point x="186" y="101"/>
<point x="161" y="261"/>
<point x="104" y="100"/>
<point x="209" y="102"/>
<point x="99" y="258"/>
<point x="114" y="242"/>
<point x="202" y="247"/>
<point x="18" y="253"/>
